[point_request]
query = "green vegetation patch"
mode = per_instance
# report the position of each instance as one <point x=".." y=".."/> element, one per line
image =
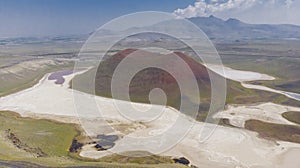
<point x="137" y="157"/>
<point x="292" y="116"/>
<point x="273" y="131"/>
<point x="53" y="139"/>
<point x="27" y="142"/>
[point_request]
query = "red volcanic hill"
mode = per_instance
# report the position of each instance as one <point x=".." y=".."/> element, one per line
<point x="147" y="79"/>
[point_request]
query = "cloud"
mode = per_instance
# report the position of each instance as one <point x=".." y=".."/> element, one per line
<point x="212" y="7"/>
<point x="209" y="7"/>
<point x="288" y="3"/>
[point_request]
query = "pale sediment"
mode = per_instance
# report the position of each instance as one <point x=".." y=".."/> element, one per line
<point x="225" y="147"/>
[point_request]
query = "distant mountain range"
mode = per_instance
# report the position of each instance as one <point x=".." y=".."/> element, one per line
<point x="217" y="28"/>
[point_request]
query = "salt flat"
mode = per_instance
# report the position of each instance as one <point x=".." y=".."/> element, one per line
<point x="259" y="87"/>
<point x="225" y="147"/>
<point x="238" y="75"/>
<point x="267" y="112"/>
<point x="246" y="76"/>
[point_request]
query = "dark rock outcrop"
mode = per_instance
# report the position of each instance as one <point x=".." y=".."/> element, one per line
<point x="182" y="160"/>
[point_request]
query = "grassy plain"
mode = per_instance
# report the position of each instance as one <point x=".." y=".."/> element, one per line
<point x="54" y="139"/>
<point x="273" y="131"/>
<point x="280" y="59"/>
<point x="292" y="116"/>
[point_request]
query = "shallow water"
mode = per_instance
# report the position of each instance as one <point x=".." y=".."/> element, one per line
<point x="59" y="76"/>
<point x="294" y="95"/>
<point x="107" y="140"/>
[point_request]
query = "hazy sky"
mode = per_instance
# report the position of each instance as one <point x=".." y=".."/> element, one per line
<point x="63" y="17"/>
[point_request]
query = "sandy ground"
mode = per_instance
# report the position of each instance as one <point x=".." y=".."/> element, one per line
<point x="268" y="112"/>
<point x="225" y="147"/>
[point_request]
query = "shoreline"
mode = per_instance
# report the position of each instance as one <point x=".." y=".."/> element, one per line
<point x="291" y="95"/>
<point x="267" y="112"/>
<point x="248" y="76"/>
<point x="217" y="150"/>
